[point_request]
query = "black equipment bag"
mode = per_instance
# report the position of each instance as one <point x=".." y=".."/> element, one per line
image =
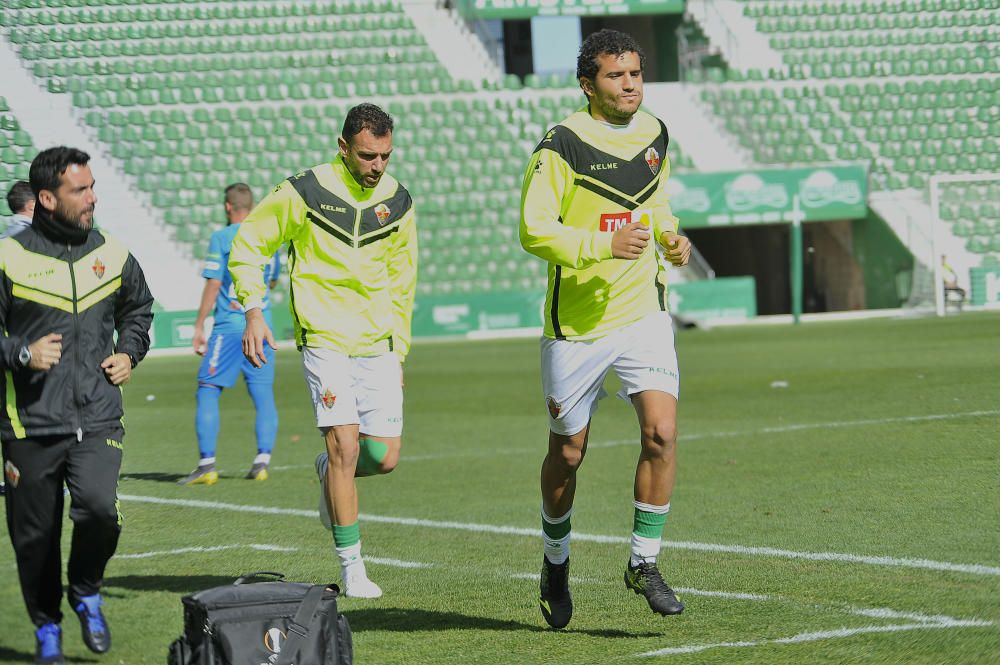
<point x="265" y="623"/>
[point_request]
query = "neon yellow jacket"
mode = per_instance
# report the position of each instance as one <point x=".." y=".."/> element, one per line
<point x="352" y="259"/>
<point x="583" y="182"/>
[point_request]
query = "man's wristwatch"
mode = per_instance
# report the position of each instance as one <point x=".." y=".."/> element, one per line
<point x="24" y="356"/>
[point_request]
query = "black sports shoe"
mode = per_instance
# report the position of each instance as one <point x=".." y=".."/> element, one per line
<point x="645" y="580"/>
<point x="96" y="634"/>
<point x="555" y="600"/>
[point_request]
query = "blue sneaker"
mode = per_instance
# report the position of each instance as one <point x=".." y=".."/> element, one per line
<point x="48" y="644"/>
<point x="96" y="634"/>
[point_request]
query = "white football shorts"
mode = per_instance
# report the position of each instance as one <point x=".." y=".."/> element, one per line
<point x="642" y="355"/>
<point x="347" y="390"/>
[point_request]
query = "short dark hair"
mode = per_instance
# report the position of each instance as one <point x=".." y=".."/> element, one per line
<point x="604" y="42"/>
<point x="366" y="116"/>
<point x="19" y="196"/>
<point x="239" y="196"/>
<point x="48" y="166"/>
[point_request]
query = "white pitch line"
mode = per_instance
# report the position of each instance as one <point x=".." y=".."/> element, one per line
<point x="887" y="613"/>
<point x="213" y="548"/>
<point x="928" y="564"/>
<point x="759" y="597"/>
<point x="397" y="563"/>
<point x="973" y="569"/>
<point x="817" y="636"/>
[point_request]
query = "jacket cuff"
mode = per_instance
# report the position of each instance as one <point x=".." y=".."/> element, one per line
<point x="11" y="346"/>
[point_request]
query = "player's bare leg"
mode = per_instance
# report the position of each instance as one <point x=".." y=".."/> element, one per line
<point x="342" y="503"/>
<point x="558" y="481"/>
<point x="654" y="485"/>
<point x="564" y="457"/>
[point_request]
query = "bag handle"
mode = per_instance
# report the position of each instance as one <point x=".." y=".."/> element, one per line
<point x="243" y="579"/>
<point x="298" y="628"/>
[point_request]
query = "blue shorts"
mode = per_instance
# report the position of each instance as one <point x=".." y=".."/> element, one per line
<point x="224" y="360"/>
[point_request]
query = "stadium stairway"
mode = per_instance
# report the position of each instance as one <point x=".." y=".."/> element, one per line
<point x="459" y="50"/>
<point x="688" y="123"/>
<point x="734" y="34"/>
<point x="123" y="210"/>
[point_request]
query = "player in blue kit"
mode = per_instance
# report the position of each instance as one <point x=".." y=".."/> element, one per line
<point x="223" y="351"/>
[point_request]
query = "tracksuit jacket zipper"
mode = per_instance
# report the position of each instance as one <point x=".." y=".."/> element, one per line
<point x="76" y="348"/>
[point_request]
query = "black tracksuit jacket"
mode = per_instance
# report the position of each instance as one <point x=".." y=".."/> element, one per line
<point x="86" y="286"/>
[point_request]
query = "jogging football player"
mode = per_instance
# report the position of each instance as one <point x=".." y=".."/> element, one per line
<point x="223" y="352"/>
<point x="352" y="248"/>
<point x="594" y="206"/>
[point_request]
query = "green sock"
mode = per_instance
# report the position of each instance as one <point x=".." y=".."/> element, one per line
<point x="346" y="536"/>
<point x="555" y="537"/>
<point x="648" y="524"/>
<point x="370" y="456"/>
<point x="558" y="530"/>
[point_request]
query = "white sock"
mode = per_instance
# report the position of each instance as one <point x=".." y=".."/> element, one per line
<point x="349" y="556"/>
<point x="206" y="461"/>
<point x="262" y="458"/>
<point x="645" y="550"/>
<point x="556" y="550"/>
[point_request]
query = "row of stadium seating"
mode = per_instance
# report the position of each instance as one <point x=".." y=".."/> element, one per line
<point x="973" y="211"/>
<point x="882" y="38"/>
<point x="877" y="21"/>
<point x="116" y="11"/>
<point x="957" y="134"/>
<point x="865" y="8"/>
<point x="16" y="152"/>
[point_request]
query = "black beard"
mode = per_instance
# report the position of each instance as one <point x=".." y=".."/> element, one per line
<point x="59" y="214"/>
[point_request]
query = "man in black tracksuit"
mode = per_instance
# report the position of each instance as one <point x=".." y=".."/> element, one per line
<point x="65" y="290"/>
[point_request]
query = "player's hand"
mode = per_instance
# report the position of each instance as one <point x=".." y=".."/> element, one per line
<point x="45" y="352"/>
<point x="256" y="335"/>
<point x="200" y="341"/>
<point x="678" y="248"/>
<point x="629" y="241"/>
<point x="118" y="368"/>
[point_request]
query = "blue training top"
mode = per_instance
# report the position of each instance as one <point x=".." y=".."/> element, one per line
<point x="228" y="312"/>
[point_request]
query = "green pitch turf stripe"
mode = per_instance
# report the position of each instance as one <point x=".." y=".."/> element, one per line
<point x="839" y="557"/>
<point x="782" y="429"/>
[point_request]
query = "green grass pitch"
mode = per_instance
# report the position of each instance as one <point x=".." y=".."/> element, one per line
<point x="850" y="517"/>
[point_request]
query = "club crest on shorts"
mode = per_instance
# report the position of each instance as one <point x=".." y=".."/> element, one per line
<point x="653" y="160"/>
<point x="555" y="408"/>
<point x="328" y="399"/>
<point x="274" y="639"/>
<point x="12" y="472"/>
<point x="98" y="268"/>
<point x="382" y="213"/>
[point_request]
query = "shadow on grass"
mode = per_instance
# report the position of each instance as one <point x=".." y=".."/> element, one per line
<point x="8" y="655"/>
<point x="396" y="619"/>
<point x="155" y="476"/>
<point x="170" y="583"/>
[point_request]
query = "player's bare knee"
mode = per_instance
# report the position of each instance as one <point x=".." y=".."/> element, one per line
<point x="570" y="456"/>
<point x="660" y="439"/>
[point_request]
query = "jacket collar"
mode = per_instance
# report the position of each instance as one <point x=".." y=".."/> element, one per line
<point x="58" y="231"/>
<point x="358" y="191"/>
